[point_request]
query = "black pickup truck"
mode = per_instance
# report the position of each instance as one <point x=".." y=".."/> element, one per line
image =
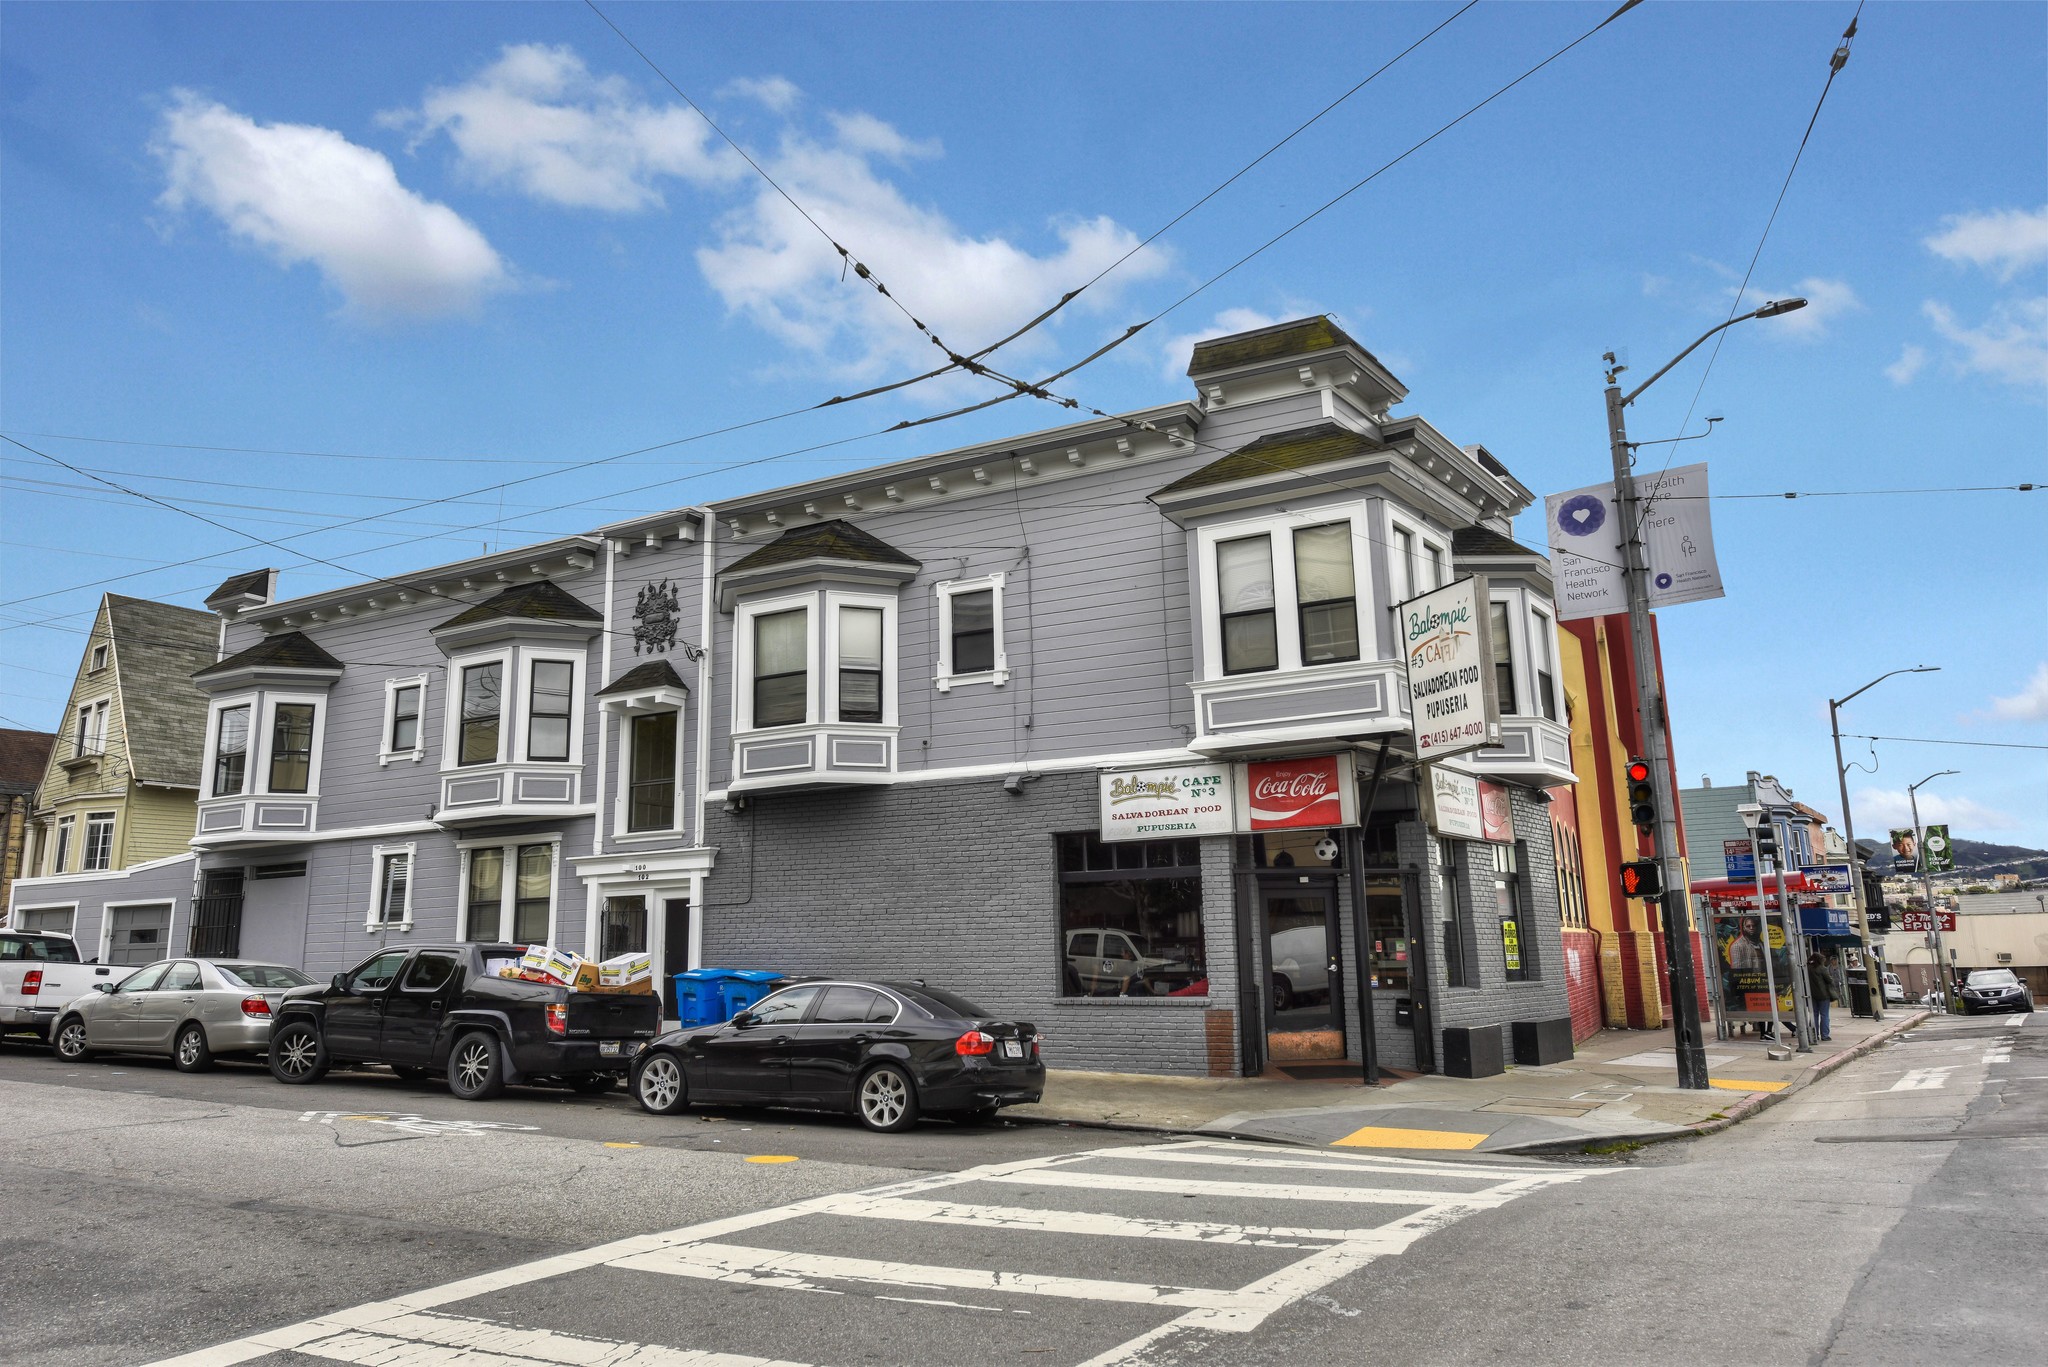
<point x="443" y="1008"/>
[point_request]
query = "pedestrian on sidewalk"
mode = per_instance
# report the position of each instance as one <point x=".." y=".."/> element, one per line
<point x="1821" y="988"/>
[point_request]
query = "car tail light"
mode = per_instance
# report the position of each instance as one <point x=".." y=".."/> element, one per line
<point x="1036" y="1040"/>
<point x="975" y="1042"/>
<point x="32" y="982"/>
<point x="257" y="1007"/>
<point x="558" y="1018"/>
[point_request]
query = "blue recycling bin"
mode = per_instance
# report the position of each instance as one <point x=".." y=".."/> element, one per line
<point x="740" y="988"/>
<point x="697" y="996"/>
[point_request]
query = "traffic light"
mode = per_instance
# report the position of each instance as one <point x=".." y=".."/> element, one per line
<point x="1767" y="840"/>
<point x="1642" y="878"/>
<point x="1642" y="797"/>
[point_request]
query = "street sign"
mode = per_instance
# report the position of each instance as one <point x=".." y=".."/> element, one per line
<point x="1919" y="920"/>
<point x="1739" y="858"/>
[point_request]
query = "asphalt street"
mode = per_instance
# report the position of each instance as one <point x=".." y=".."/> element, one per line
<point x="1893" y="1212"/>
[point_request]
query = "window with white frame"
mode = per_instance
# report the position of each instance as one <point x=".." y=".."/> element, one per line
<point x="1542" y="638"/>
<point x="230" y="750"/>
<point x="60" y="854"/>
<point x="1306" y="561"/>
<point x="1415" y="562"/>
<point x="860" y="663"/>
<point x="780" y="683"/>
<point x="509" y="891"/>
<point x="99" y="842"/>
<point x="89" y="734"/>
<point x="1499" y="628"/>
<point x="291" y="747"/>
<point x="99" y="658"/>
<point x="404" y="702"/>
<point x="391" y="888"/>
<point x="971" y="648"/>
<point x="550" y="703"/>
<point x="481" y="720"/>
<point x="651" y="762"/>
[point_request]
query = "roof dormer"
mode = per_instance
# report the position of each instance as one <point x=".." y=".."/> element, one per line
<point x="1306" y="354"/>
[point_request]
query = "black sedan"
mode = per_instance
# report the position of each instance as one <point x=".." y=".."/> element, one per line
<point x="1994" y="989"/>
<point x="886" y="1051"/>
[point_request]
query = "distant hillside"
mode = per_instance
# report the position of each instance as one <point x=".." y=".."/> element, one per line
<point x="1972" y="856"/>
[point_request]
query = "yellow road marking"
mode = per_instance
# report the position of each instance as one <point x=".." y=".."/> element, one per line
<point x="1381" y="1137"/>
<point x="1734" y="1084"/>
<point x="771" y="1158"/>
<point x="362" y="1117"/>
<point x="619" y="1144"/>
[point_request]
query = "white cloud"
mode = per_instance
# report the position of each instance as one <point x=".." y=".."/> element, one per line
<point x="2029" y="704"/>
<point x="1909" y="364"/>
<point x="1826" y="301"/>
<point x="308" y="194"/>
<point x="2003" y="242"/>
<point x="538" y="122"/>
<point x="1880" y="809"/>
<point x="1176" y="350"/>
<point x="2011" y="345"/>
<point x="773" y="93"/>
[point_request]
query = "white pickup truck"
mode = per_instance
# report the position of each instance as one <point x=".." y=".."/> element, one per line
<point x="40" y="975"/>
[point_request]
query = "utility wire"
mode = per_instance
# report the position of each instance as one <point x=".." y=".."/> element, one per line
<point x="1928" y="740"/>
<point x="1835" y="65"/>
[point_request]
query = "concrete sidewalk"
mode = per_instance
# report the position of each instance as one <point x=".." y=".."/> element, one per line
<point x="1619" y="1088"/>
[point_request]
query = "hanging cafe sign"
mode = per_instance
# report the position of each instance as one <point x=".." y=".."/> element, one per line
<point x="1449" y="654"/>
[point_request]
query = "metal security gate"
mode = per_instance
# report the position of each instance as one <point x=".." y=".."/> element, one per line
<point x="217" y="917"/>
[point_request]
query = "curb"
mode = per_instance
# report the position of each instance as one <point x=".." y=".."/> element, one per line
<point x="1758" y="1101"/>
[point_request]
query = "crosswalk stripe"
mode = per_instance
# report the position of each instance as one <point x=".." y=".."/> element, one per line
<point x="1115" y="1226"/>
<point x="462" y="1341"/>
<point x="1258" y="1191"/>
<point x="777" y="1267"/>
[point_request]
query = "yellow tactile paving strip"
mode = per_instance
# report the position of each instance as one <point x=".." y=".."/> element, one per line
<point x="1383" y="1137"/>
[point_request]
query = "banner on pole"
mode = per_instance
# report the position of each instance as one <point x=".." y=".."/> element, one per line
<point x="1905" y="849"/>
<point x="1678" y="543"/>
<point x="1936" y="854"/>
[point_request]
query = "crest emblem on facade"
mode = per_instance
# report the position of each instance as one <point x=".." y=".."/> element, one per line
<point x="656" y="615"/>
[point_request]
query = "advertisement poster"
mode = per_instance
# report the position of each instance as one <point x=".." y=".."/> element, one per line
<point x="1496" y="820"/>
<point x="1937" y="854"/>
<point x="1449" y="656"/>
<point x="1290" y="794"/>
<point x="1832" y="879"/>
<point x="1678" y="541"/>
<point x="1154" y="804"/>
<point x="1905" y="850"/>
<point x="1739" y="952"/>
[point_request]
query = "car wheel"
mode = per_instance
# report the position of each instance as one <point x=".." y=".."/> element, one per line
<point x="593" y="1084"/>
<point x="1283" y="993"/>
<point x="190" y="1053"/>
<point x="476" y="1070"/>
<point x="659" y="1085"/>
<point x="407" y="1073"/>
<point x="887" y="1100"/>
<point x="69" y="1040"/>
<point x="298" y="1054"/>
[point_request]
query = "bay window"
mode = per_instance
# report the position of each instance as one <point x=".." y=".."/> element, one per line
<point x="231" y="751"/>
<point x="99" y="842"/>
<point x="291" y="748"/>
<point x="533" y="895"/>
<point x="1503" y="656"/>
<point x="651" y="776"/>
<point x="477" y="737"/>
<point x="61" y="855"/>
<point x="860" y="660"/>
<point x="1244" y="587"/>
<point x="1327" y="593"/>
<point x="549" y="703"/>
<point x="781" y="681"/>
<point x="484" y="904"/>
<point x="1541" y="635"/>
<point x="528" y="872"/>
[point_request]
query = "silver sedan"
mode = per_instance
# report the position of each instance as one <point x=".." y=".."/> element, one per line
<point x="188" y="1009"/>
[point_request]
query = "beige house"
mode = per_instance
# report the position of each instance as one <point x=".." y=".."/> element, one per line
<point x="1993" y="930"/>
<point x="122" y="782"/>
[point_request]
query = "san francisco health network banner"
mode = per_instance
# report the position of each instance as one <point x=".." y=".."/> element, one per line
<point x="1449" y="654"/>
<point x="1678" y="544"/>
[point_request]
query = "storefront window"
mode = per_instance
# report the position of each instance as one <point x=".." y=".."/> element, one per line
<point x="1386" y="921"/>
<point x="1131" y="918"/>
<point x="1450" y="872"/>
<point x="1309" y="849"/>
<point x="1507" y="893"/>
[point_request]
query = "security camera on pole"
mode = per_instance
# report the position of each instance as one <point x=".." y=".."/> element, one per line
<point x="1677" y="918"/>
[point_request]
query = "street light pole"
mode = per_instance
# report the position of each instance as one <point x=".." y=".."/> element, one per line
<point x="1874" y="983"/>
<point x="1941" y="973"/>
<point x="1676" y="903"/>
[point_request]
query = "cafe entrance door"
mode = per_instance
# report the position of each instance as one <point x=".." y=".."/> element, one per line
<point x="1304" y="975"/>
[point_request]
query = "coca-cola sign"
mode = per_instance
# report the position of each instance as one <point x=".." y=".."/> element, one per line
<point x="1289" y="794"/>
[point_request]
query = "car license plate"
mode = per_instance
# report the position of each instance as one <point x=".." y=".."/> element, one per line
<point x="1013" y="1048"/>
<point x="608" y="1048"/>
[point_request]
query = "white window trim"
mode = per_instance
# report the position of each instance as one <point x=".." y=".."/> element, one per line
<point x="385" y="755"/>
<point x="1425" y="541"/>
<point x="101" y="654"/>
<point x="508" y="882"/>
<point x="107" y="910"/>
<point x="14" y="922"/>
<point x="1517" y="603"/>
<point x="1279" y="529"/>
<point x="378" y="855"/>
<point x="220" y="705"/>
<point x="1543" y="623"/>
<point x="527" y="660"/>
<point x="63" y="835"/>
<point x="258" y="784"/>
<point x="944" y="679"/>
<point x="111" y="819"/>
<point x="743" y="657"/>
<point x="622" y="796"/>
<point x="451" y="708"/>
<point x="836" y="599"/>
<point x="89" y="728"/>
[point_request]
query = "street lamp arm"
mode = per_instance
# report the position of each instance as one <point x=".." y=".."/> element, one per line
<point x="1916" y="669"/>
<point x="1770" y="310"/>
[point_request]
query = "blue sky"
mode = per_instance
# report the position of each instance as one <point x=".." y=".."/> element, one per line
<point x="455" y="244"/>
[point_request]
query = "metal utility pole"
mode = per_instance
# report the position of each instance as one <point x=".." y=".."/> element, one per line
<point x="1942" y="975"/>
<point x="1795" y="946"/>
<point x="1870" y="967"/>
<point x="1676" y="902"/>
